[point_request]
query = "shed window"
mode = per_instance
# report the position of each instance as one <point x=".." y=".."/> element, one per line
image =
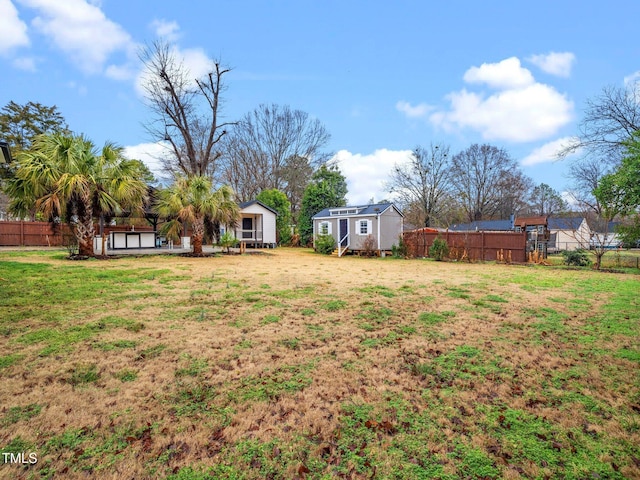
<point x="324" y="228"/>
<point x="364" y="227"/>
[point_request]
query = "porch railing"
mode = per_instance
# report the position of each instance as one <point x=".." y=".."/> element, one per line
<point x="343" y="245"/>
<point x="249" y="235"/>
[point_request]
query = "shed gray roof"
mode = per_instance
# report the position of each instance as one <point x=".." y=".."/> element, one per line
<point x="362" y="210"/>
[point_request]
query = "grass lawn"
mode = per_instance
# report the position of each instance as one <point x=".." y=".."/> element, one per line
<point x="295" y="365"/>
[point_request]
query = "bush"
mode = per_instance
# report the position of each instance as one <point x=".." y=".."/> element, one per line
<point x="325" y="244"/>
<point x="369" y="246"/>
<point x="576" y="258"/>
<point x="227" y="241"/>
<point x="399" y="251"/>
<point x="439" y="250"/>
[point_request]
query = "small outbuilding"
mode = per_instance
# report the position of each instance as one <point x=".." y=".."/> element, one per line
<point x="257" y="225"/>
<point x="357" y="228"/>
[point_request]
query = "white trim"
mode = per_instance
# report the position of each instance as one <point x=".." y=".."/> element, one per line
<point x="328" y="224"/>
<point x="372" y="214"/>
<point x="359" y="227"/>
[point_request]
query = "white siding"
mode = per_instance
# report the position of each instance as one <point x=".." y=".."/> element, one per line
<point x="268" y="221"/>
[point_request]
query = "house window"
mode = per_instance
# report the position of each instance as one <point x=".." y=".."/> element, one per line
<point x="346" y="211"/>
<point x="364" y="227"/>
<point x="324" y="228"/>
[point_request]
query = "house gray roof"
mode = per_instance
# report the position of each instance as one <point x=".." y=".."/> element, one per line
<point x="251" y="202"/>
<point x="487" y="225"/>
<point x="569" y="223"/>
<point x="362" y="210"/>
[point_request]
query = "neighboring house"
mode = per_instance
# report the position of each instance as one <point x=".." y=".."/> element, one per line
<point x="535" y="228"/>
<point x="350" y="226"/>
<point x="484" y="226"/>
<point x="571" y="233"/>
<point x="606" y="237"/>
<point x="257" y="225"/>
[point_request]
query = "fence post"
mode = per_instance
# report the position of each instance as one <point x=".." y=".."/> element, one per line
<point x="482" y="246"/>
<point x="22" y="233"/>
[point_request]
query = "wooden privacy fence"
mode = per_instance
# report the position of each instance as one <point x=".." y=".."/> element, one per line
<point x="44" y="234"/>
<point x="474" y="246"/>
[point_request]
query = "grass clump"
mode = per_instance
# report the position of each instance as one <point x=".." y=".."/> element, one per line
<point x="270" y="319"/>
<point x="271" y="384"/>
<point x="334" y="305"/>
<point x="82" y="374"/>
<point x="127" y="375"/>
<point x="433" y="318"/>
<point x="16" y="414"/>
<point x="8" y="360"/>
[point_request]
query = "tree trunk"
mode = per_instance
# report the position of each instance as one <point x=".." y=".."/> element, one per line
<point x="197" y="236"/>
<point x="599" y="256"/>
<point x="84" y="234"/>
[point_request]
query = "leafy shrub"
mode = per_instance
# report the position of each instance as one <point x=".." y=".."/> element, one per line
<point x="325" y="244"/>
<point x="577" y="258"/>
<point x="227" y="240"/>
<point x="439" y="250"/>
<point x="399" y="251"/>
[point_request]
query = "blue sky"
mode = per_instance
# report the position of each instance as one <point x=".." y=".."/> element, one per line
<point x="382" y="76"/>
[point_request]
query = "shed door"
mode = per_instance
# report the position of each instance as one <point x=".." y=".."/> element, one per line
<point x="343" y="230"/>
<point x="247" y="227"/>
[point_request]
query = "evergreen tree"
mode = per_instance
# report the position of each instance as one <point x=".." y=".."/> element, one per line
<point x="327" y="189"/>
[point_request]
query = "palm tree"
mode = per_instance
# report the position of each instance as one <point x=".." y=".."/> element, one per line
<point x="64" y="176"/>
<point x="191" y="200"/>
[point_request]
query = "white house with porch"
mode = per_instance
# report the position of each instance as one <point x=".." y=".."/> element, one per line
<point x="351" y="226"/>
<point x="257" y="225"/>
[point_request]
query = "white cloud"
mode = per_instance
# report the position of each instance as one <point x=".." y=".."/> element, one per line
<point x="555" y="63"/>
<point x="151" y="154"/>
<point x="165" y="29"/>
<point x="120" y="72"/>
<point x="367" y="174"/>
<point x="505" y="74"/>
<point x="27" y="64"/>
<point x="548" y="152"/>
<point x="78" y="88"/>
<point x="410" y="111"/>
<point x="195" y="60"/>
<point x="82" y="30"/>
<point x="13" y="31"/>
<point x="522" y="110"/>
<point x="632" y="80"/>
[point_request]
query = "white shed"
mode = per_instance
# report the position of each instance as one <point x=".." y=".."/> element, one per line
<point x="257" y="226"/>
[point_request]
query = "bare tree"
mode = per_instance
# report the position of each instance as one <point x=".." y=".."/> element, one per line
<point x="423" y="182"/>
<point x="186" y="109"/>
<point x="586" y="175"/>
<point x="296" y="174"/>
<point x="477" y="174"/>
<point x="609" y="121"/>
<point x="512" y="192"/>
<point x="258" y="147"/>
